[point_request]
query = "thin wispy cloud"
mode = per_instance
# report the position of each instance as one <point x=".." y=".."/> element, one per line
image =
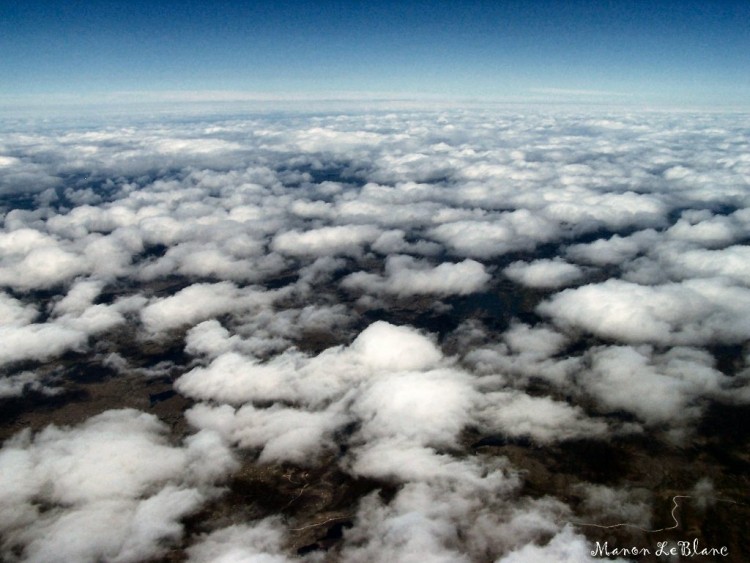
<point x="580" y="92"/>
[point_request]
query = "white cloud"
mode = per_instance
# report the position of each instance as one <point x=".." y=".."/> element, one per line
<point x="42" y="267"/>
<point x="114" y="486"/>
<point x="405" y="276"/>
<point x="346" y="240"/>
<point x="544" y="273"/>
<point x="80" y="297"/>
<point x="261" y="542"/>
<point x="658" y="388"/>
<point x="615" y="250"/>
<point x="616" y="506"/>
<point x="194" y="304"/>
<point x="38" y="341"/>
<point x="18" y="384"/>
<point x="430" y="407"/>
<point x="279" y="434"/>
<point x="235" y="378"/>
<point x="15" y="313"/>
<point x="689" y="312"/>
<point x="540" y="418"/>
<point x="565" y="547"/>
<point x="507" y="232"/>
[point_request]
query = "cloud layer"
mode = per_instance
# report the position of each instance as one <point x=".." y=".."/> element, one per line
<point x="388" y="295"/>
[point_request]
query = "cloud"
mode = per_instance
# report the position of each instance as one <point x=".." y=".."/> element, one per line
<point x="507" y="232"/>
<point x="79" y="298"/>
<point x="658" y="388"/>
<point x="21" y="383"/>
<point x="261" y="542"/>
<point x="279" y="434"/>
<point x="408" y="402"/>
<point x="690" y="312"/>
<point x="346" y="240"/>
<point x="22" y="175"/>
<point x="405" y="276"/>
<point x="113" y="486"/>
<point x="615" y="250"/>
<point x="194" y="304"/>
<point x="539" y="342"/>
<point x="707" y="230"/>
<point x="454" y="519"/>
<point x="15" y="313"/>
<point x="38" y="342"/>
<point x="542" y="419"/>
<point x="386" y="347"/>
<point x="42" y="267"/>
<point x="394" y="242"/>
<point x="565" y="547"/>
<point x="543" y="274"/>
<point x="684" y="264"/>
<point x="430" y="408"/>
<point x="235" y="378"/>
<point x="72" y="321"/>
<point x="525" y="354"/>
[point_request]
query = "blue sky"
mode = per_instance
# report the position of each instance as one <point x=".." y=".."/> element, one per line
<point x="667" y="52"/>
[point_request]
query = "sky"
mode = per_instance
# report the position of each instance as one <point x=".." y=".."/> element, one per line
<point x="669" y="53"/>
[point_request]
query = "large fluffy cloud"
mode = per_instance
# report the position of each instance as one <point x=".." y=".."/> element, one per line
<point x="689" y="312"/>
<point x="113" y="488"/>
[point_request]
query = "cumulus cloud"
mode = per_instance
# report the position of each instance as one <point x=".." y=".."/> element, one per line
<point x="405" y="276"/>
<point x="114" y="486"/>
<point x="346" y="240"/>
<point x="544" y="274"/>
<point x="658" y="388"/>
<point x="429" y="408"/>
<point x="524" y="354"/>
<point x="690" y="312"/>
<point x="15" y="313"/>
<point x="383" y="378"/>
<point x="507" y="232"/>
<point x="615" y="250"/>
<point x="194" y="304"/>
<point x="261" y="542"/>
<point x="21" y="383"/>
<point x="406" y="408"/>
<point x="542" y="419"/>
<point x="236" y="378"/>
<point x="450" y="520"/>
<point x="539" y="341"/>
<point x="279" y="434"/>
<point x="42" y="267"/>
<point x="38" y="341"/>
<point x="680" y="264"/>
<point x="565" y="547"/>
<point x="79" y="298"/>
<point x="69" y="328"/>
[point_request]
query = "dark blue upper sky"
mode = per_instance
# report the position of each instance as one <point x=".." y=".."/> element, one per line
<point x="672" y="52"/>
